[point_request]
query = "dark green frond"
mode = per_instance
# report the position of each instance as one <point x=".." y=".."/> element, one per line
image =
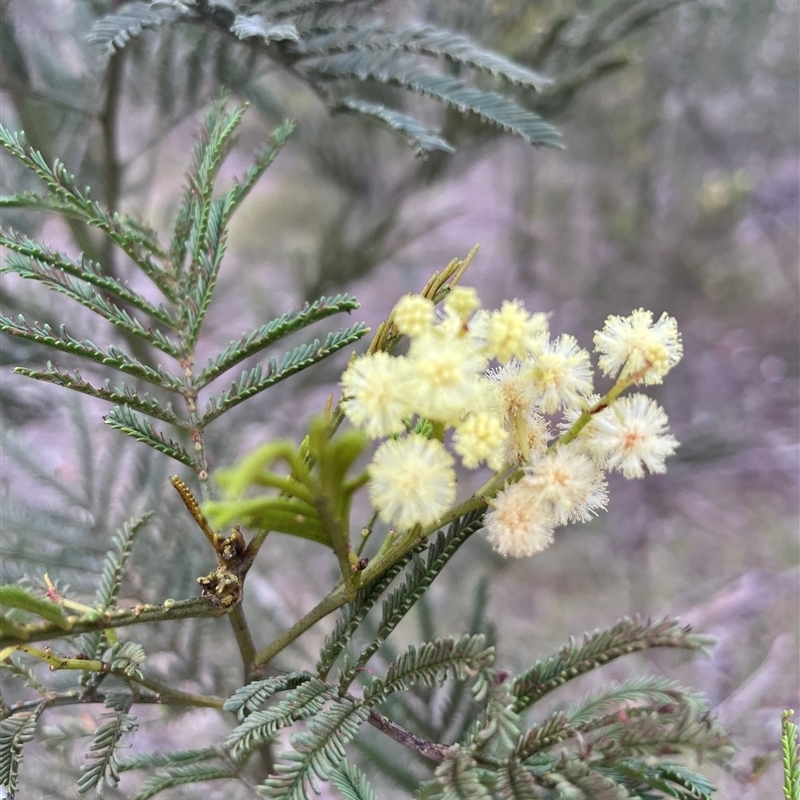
<point x="116" y="562"/>
<point x="791" y="757"/>
<point x="181" y="775"/>
<point x="63" y="189"/>
<point x="650" y="690"/>
<point x="353" y="614"/>
<point x="306" y="700"/>
<point x="427" y="40"/>
<point x="114" y="31"/>
<point x="111" y="578"/>
<point x="671" y="780"/>
<point x="514" y="782"/>
<point x="251" y="697"/>
<point x="458" y="778"/>
<point x="433" y="663"/>
<point x="352" y="783"/>
<point x="84" y="269"/>
<point x="492" y="107"/>
<point x="119" y="395"/>
<point x="102" y="756"/>
<point x="121" y="418"/>
<point x="273" y="331"/>
<point x="318" y="752"/>
<point x="239" y="191"/>
<point x="59" y="281"/>
<point x="246" y="27"/>
<point x="159" y="759"/>
<point x="629" y="635"/>
<point x="573" y="773"/>
<point x="422" y="139"/>
<point x="302" y="357"/>
<point x="112" y="357"/>
<point x="418" y="578"/>
<point x="15" y="731"/>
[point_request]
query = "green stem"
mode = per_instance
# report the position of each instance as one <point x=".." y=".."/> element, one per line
<point x="112" y="618"/>
<point x="241" y="630"/>
<point x="173" y="696"/>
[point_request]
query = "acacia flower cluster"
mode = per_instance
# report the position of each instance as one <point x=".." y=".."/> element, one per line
<point x="489" y="388"/>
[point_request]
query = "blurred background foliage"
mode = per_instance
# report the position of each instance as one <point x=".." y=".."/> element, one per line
<point x="677" y="191"/>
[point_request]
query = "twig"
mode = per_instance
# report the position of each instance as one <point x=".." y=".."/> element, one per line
<point x="430" y="750"/>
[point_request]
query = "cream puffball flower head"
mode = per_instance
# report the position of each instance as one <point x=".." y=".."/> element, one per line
<point x="631" y="435"/>
<point x="631" y="344"/>
<point x="412" y="481"/>
<point x="517" y="524"/>
<point x="374" y="394"/>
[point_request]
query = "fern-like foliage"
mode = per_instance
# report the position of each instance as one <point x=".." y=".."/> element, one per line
<point x="353" y="614"/>
<point x="352" y="783"/>
<point x="629" y="635"/>
<point x="331" y="44"/>
<point x="419" y="576"/>
<point x="791" y="757"/>
<point x="307" y="700"/>
<point x="250" y="698"/>
<point x="433" y="663"/>
<point x="185" y="273"/>
<point x="182" y="774"/>
<point x="318" y="752"/>
<point x="15" y="731"/>
<point x="103" y="768"/>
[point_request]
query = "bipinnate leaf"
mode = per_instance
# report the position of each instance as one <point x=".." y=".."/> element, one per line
<point x="352" y="615"/>
<point x="629" y="635"/>
<point x="246" y="27"/>
<point x="433" y="663"/>
<point x="458" y="778"/>
<point x="15" y="731"/>
<point x="273" y="331"/>
<point x="302" y="357"/>
<point x="111" y="357"/>
<point x="352" y="783"/>
<point x="114" y="31"/>
<point x="791" y="757"/>
<point x="251" y="697"/>
<point x="121" y="418"/>
<point x="307" y="700"/>
<point x="123" y="394"/>
<point x="424" y="140"/>
<point x="102" y="768"/>
<point x="183" y="774"/>
<point x="419" y="576"/>
<point x="317" y="752"/>
<point x="406" y="72"/>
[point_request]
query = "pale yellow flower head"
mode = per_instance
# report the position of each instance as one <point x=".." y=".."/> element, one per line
<point x="412" y="481"/>
<point x="517" y="524"/>
<point x="413" y="315"/>
<point x="561" y="371"/>
<point x="569" y="484"/>
<point x="375" y="387"/>
<point x="462" y="302"/>
<point x="631" y="344"/>
<point x="481" y="438"/>
<point x="513" y="333"/>
<point x="631" y="435"/>
<point x="446" y="375"/>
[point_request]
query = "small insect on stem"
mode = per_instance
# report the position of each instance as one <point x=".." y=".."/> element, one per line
<point x="194" y="509"/>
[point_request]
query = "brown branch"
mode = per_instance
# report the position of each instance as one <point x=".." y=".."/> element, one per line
<point x="430" y="750"/>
